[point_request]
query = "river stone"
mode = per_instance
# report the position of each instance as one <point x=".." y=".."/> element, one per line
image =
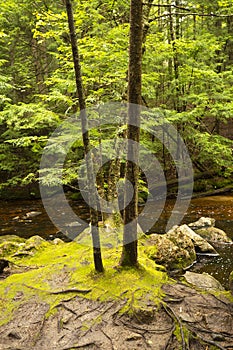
<point x="214" y="234"/>
<point x="32" y="214"/>
<point x="170" y="253"/>
<point x="203" y="281"/>
<point x="202" y="222"/>
<point x="201" y="245"/>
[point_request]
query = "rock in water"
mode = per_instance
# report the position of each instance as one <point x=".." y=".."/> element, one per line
<point x="201" y="245"/>
<point x="213" y="234"/>
<point x="32" y="214"/>
<point x="202" y="223"/>
<point x="172" y="251"/>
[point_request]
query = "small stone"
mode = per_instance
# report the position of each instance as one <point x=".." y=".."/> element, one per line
<point x="32" y="214"/>
<point x="14" y="335"/>
<point x="133" y="336"/>
<point x="57" y="241"/>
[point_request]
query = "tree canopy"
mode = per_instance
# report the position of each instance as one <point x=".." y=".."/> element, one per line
<point x="186" y="76"/>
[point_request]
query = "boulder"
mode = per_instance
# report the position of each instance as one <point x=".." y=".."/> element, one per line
<point x="201" y="245"/>
<point x="203" y="281"/>
<point x="171" y="253"/>
<point x="213" y="234"/>
<point x="202" y="223"/>
<point x="181" y="240"/>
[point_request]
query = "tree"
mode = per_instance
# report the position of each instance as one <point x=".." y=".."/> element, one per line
<point x="86" y="141"/>
<point x="129" y="251"/>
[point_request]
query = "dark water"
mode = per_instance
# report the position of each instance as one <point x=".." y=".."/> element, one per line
<point x="12" y="221"/>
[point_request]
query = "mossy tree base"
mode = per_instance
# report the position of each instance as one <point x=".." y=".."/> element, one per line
<point x="54" y="299"/>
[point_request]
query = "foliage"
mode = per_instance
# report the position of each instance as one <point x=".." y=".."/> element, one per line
<point x="187" y="77"/>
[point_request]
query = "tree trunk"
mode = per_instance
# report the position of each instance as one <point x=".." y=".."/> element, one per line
<point x="86" y="141"/>
<point x="129" y="250"/>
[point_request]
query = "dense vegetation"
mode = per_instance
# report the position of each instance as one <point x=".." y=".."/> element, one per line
<point x="187" y="76"/>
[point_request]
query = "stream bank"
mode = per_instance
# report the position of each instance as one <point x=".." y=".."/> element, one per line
<point x="52" y="299"/>
<point x="218" y="207"/>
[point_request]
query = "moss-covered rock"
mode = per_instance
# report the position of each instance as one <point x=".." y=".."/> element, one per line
<point x="171" y="250"/>
<point x="11" y="238"/>
<point x="213" y="234"/>
<point x="9" y="248"/>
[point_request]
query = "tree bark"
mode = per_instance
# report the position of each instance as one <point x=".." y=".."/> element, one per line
<point x="86" y="140"/>
<point x="129" y="250"/>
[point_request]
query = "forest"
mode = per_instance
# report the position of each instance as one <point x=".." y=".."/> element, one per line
<point x="187" y="55"/>
<point x="116" y="141"/>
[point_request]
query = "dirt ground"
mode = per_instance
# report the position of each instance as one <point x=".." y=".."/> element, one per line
<point x="186" y="319"/>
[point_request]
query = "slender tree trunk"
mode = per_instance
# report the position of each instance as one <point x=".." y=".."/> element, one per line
<point x="86" y="141"/>
<point x="129" y="251"/>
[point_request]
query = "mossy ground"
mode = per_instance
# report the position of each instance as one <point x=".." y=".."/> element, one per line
<point x="54" y="296"/>
<point x="52" y="268"/>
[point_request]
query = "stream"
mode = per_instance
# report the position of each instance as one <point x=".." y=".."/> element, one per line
<point x="12" y="221"/>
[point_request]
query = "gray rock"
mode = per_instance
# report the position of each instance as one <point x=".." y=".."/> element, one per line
<point x="203" y="281"/>
<point x="213" y="234"/>
<point x="202" y="222"/>
<point x="32" y="214"/>
<point x="201" y="245"/>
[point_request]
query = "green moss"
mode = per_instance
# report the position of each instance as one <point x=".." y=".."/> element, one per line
<point x="54" y="268"/>
<point x="181" y="334"/>
<point x="11" y="238"/>
<point x="9" y="248"/>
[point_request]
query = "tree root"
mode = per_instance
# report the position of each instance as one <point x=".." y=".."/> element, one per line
<point x="65" y="291"/>
<point x="176" y="318"/>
